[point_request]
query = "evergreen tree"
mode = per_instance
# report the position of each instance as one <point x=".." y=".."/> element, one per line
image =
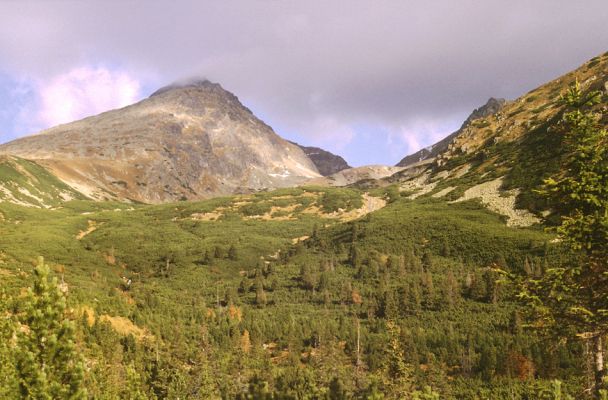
<point x="48" y="365"/>
<point x="427" y="261"/>
<point x="232" y="253"/>
<point x="324" y="282"/>
<point x="218" y="252"/>
<point x="400" y="374"/>
<point x="133" y="390"/>
<point x="8" y="387"/>
<point x="260" y="296"/>
<point x="207" y="260"/>
<point x="573" y="299"/>
<point x="354" y="258"/>
<point x="336" y="390"/>
<point x="452" y="289"/>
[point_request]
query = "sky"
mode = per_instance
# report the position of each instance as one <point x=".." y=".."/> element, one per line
<point x="370" y="80"/>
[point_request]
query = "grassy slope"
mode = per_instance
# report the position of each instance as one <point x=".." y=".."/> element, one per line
<point x="523" y="141"/>
<point x="28" y="183"/>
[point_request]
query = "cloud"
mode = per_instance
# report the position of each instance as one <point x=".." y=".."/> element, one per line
<point x="82" y="92"/>
<point x="316" y="66"/>
<point x="422" y="133"/>
<point x="328" y="132"/>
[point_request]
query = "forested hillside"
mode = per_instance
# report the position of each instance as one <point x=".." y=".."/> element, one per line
<point x="284" y="292"/>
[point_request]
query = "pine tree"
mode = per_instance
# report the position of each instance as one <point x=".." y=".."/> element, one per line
<point x="232" y="253"/>
<point x="8" y="387"/>
<point x="354" y="258"/>
<point x="452" y="289"/>
<point x="337" y="390"/>
<point x="324" y="282"/>
<point x="400" y="374"/>
<point x="245" y="342"/>
<point x="218" y="253"/>
<point x="132" y="390"/>
<point x="207" y="260"/>
<point x="48" y="364"/>
<point x="260" y="296"/>
<point x="573" y="299"/>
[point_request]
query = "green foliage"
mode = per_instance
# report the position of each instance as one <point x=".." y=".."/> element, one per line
<point x="30" y="183"/>
<point x="297" y="302"/>
<point x="583" y="191"/>
<point x="400" y="380"/>
<point x="570" y="298"/>
<point x="8" y="375"/>
<point x="48" y="365"/>
<point x="340" y="199"/>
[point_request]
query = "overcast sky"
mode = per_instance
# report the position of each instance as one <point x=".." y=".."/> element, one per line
<point x="370" y="80"/>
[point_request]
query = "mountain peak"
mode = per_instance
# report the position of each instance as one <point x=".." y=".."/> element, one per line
<point x="492" y="106"/>
<point x="189" y="140"/>
<point x="196" y="83"/>
<point x="327" y="163"/>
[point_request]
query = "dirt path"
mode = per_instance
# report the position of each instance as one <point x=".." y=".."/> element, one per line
<point x="370" y="204"/>
<point x="92" y="227"/>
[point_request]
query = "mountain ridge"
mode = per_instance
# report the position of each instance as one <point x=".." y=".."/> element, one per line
<point x="326" y="162"/>
<point x="492" y="106"/>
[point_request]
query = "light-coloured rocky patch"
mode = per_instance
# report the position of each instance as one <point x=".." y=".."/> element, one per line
<point x="443" y="192"/>
<point x="460" y="171"/>
<point x="501" y="202"/>
<point x="274" y="210"/>
<point x="299" y="239"/>
<point x="7" y="195"/>
<point x="420" y="185"/>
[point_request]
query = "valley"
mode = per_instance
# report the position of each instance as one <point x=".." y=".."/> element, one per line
<point x="203" y="256"/>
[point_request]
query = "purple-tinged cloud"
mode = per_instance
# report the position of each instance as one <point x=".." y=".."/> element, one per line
<point x="82" y="92"/>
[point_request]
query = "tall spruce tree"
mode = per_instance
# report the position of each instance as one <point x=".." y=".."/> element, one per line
<point x="8" y="387"/>
<point x="48" y="364"/>
<point x="571" y="300"/>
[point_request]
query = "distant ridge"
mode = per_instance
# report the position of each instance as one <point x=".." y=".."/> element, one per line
<point x="326" y="162"/>
<point x="491" y="107"/>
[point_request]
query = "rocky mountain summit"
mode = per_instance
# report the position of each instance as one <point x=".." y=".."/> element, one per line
<point x="326" y="162"/>
<point x="491" y="107"/>
<point x="187" y="141"/>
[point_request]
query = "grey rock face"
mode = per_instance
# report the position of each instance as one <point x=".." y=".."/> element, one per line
<point x="326" y="162"/>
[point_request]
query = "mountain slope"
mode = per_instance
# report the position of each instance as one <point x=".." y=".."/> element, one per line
<point x="506" y="154"/>
<point x="326" y="162"/>
<point x="26" y="183"/>
<point x="184" y="142"/>
<point x="491" y="107"/>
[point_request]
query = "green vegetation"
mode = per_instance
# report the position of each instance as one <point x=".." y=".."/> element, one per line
<point x="43" y="361"/>
<point x="27" y="182"/>
<point x="279" y="295"/>
<point x="569" y="300"/>
<point x="168" y="304"/>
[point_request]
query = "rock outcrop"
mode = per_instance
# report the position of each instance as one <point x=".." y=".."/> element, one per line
<point x="326" y="162"/>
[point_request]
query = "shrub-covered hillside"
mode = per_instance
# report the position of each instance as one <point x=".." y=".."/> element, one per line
<point x="299" y="292"/>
